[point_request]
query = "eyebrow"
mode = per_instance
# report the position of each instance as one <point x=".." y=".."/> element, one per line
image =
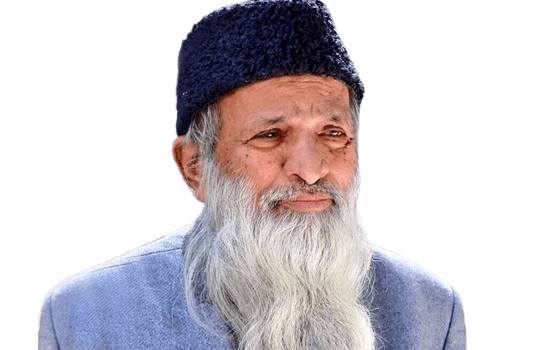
<point x="264" y="123"/>
<point x="261" y="123"/>
<point x="336" y="119"/>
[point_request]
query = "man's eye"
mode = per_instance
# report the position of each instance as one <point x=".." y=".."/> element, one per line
<point x="268" y="135"/>
<point x="334" y="133"/>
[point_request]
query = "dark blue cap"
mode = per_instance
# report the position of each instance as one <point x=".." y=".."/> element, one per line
<point x="255" y="40"/>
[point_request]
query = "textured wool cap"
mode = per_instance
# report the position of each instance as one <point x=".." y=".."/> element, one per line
<point x="255" y="40"/>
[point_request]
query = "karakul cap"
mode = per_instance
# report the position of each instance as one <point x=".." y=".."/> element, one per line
<point x="255" y="40"/>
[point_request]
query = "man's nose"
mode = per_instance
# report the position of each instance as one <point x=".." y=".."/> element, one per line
<point x="305" y="159"/>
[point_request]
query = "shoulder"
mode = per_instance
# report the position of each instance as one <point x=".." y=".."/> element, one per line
<point x="410" y="305"/>
<point x="394" y="272"/>
<point x="131" y="291"/>
<point x="160" y="254"/>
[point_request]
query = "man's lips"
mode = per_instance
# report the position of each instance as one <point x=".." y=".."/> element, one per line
<point x="309" y="202"/>
<point x="311" y="197"/>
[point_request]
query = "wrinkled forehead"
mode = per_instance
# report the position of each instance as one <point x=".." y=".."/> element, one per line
<point x="275" y="99"/>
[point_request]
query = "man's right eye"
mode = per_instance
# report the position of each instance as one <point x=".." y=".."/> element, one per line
<point x="268" y="135"/>
<point x="267" y="139"/>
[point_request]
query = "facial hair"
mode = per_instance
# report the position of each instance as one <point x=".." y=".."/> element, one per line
<point x="280" y="279"/>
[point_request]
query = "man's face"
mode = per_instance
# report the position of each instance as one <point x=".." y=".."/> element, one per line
<point x="286" y="130"/>
<point x="290" y="281"/>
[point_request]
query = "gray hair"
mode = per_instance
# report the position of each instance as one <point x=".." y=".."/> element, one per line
<point x="204" y="131"/>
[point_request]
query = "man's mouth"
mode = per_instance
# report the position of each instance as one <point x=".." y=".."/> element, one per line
<point x="315" y="202"/>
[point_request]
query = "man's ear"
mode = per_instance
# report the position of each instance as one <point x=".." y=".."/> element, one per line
<point x="190" y="165"/>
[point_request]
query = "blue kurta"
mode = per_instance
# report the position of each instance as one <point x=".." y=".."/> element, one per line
<point x="136" y="301"/>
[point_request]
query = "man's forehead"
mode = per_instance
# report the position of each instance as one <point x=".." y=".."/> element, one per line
<point x="326" y="85"/>
<point x="262" y="121"/>
<point x="276" y="98"/>
<point x="290" y="102"/>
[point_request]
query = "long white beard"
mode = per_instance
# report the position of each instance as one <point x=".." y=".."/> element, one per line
<point x="281" y="279"/>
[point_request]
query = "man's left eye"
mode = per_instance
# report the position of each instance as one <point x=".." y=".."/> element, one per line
<point x="334" y="133"/>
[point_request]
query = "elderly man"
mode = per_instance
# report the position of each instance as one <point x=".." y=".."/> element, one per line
<point x="268" y="104"/>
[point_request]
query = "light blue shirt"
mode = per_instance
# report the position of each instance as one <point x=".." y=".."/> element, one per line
<point x="136" y="301"/>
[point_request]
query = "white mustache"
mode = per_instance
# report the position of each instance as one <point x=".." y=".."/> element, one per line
<point x="272" y="198"/>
